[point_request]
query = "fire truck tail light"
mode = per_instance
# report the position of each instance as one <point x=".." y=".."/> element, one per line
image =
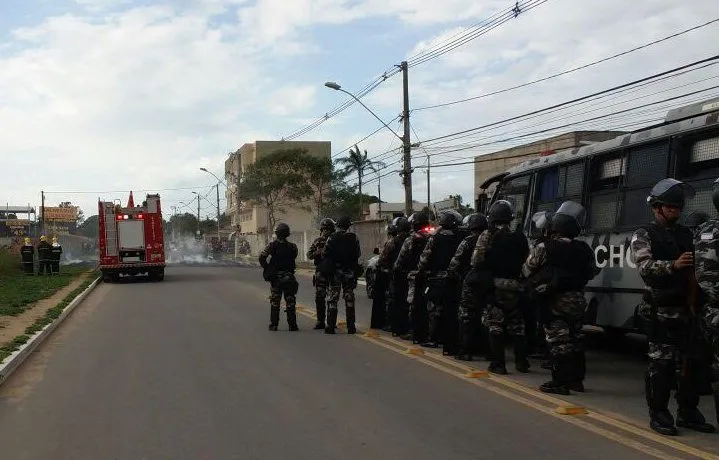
<point x="139" y="216"/>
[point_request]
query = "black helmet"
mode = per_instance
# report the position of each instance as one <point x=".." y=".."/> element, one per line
<point x="501" y="211"/>
<point x="695" y="218"/>
<point x="401" y="224"/>
<point x="391" y="230"/>
<point x="476" y="222"/>
<point x="344" y="222"/>
<point x="449" y="219"/>
<point x="670" y="192"/>
<point x="541" y="223"/>
<point x="715" y="194"/>
<point x="327" y="224"/>
<point x="569" y="219"/>
<point x="282" y="230"/>
<point x="418" y="220"/>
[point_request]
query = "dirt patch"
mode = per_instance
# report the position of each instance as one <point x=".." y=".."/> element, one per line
<point x="13" y="326"/>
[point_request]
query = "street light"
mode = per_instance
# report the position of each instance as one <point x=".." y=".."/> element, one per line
<point x="337" y="87"/>
<point x="198" y="212"/>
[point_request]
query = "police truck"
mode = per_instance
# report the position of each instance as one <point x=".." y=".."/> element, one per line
<point x="612" y="179"/>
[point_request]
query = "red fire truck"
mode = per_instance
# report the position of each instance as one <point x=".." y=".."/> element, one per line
<point x="131" y="239"/>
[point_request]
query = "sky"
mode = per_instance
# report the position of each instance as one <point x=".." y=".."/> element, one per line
<point x="99" y="97"/>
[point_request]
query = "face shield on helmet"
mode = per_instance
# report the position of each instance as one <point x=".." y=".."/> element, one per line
<point x="569" y="219"/>
<point x="476" y="222"/>
<point x="670" y="192"/>
<point x="541" y="223"/>
<point x="401" y="224"/>
<point x="449" y="219"/>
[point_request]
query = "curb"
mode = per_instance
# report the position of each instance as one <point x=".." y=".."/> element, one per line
<point x="14" y="361"/>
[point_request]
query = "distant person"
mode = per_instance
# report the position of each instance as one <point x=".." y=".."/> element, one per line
<point x="44" y="255"/>
<point x="56" y="253"/>
<point x="280" y="273"/>
<point x="27" y="255"/>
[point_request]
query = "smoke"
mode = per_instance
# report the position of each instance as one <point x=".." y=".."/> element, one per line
<point x="188" y="250"/>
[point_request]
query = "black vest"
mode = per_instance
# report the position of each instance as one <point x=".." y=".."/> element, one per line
<point x="669" y="244"/>
<point x="507" y="252"/>
<point x="445" y="245"/>
<point x="344" y="250"/>
<point x="283" y="256"/>
<point x="419" y="241"/>
<point x="465" y="259"/>
<point x="570" y="263"/>
<point x="399" y="239"/>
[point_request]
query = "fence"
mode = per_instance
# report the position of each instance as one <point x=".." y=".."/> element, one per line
<point x="371" y="234"/>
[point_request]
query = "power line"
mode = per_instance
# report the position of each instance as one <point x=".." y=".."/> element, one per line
<point x="563" y="104"/>
<point x="591" y="64"/>
<point x="79" y="192"/>
<point x="504" y="17"/>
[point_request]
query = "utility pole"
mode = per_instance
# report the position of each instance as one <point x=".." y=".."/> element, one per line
<point x="429" y="202"/>
<point x="198" y="214"/>
<point x="406" y="146"/>
<point x="218" y="212"/>
<point x="379" y="193"/>
<point x="42" y="212"/>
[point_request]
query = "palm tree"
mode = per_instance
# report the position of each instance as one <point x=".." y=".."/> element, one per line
<point x="357" y="162"/>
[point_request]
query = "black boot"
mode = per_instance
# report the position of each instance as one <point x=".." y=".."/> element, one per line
<point x="658" y="385"/>
<point x="560" y="377"/>
<point x="274" y="318"/>
<point x="320" y="307"/>
<point x="331" y="321"/>
<point x="464" y="349"/>
<point x="693" y="419"/>
<point x="578" y="371"/>
<point x="292" y="319"/>
<point x="497" y="364"/>
<point x="435" y="322"/>
<point x="350" y="312"/>
<point x="520" y="354"/>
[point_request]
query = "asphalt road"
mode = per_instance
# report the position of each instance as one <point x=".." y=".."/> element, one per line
<point x="186" y="369"/>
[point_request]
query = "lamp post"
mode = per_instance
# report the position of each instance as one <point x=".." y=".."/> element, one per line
<point x="198" y="213"/>
<point x="406" y="145"/>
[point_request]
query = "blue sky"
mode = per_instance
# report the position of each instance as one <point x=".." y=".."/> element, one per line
<point x="164" y="87"/>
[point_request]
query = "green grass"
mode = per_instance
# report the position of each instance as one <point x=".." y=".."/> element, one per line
<point x="18" y="292"/>
<point x="51" y="315"/>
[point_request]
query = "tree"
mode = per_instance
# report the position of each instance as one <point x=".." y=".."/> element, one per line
<point x="275" y="182"/>
<point x="463" y="209"/>
<point x="359" y="163"/>
<point x="80" y="216"/>
<point x="89" y="228"/>
<point x="344" y="200"/>
<point x="322" y="178"/>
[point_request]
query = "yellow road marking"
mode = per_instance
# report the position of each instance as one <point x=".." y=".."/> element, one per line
<point x="560" y="409"/>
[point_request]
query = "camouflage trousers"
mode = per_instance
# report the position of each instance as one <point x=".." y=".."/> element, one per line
<point x="343" y="281"/>
<point x="285" y="285"/>
<point x="503" y="311"/>
<point x="470" y="305"/>
<point x="563" y="335"/>
<point x="321" y="283"/>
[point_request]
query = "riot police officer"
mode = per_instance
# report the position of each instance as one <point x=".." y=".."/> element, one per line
<point x="535" y="311"/>
<point x="378" y="318"/>
<point x="706" y="242"/>
<point x="342" y="251"/>
<point x="498" y="258"/>
<point x="441" y="294"/>
<point x="406" y="266"/>
<point x="664" y="254"/>
<point x="396" y="296"/>
<point x="558" y="269"/>
<point x="280" y="273"/>
<point x="319" y="280"/>
<point x="470" y="336"/>
<point x="27" y="255"/>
